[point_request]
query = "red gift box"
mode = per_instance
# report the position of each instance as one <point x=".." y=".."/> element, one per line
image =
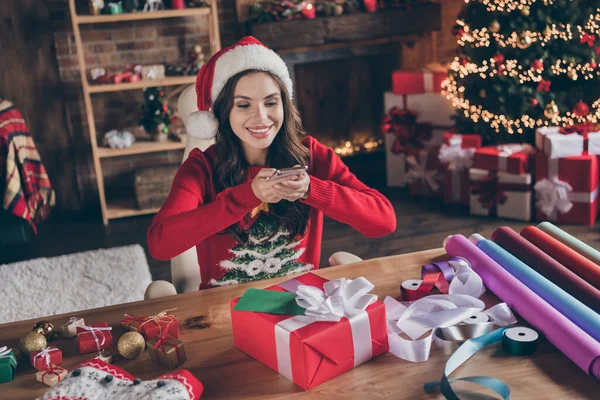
<point x="510" y="158"/>
<point x="46" y="358"/>
<point x="153" y="325"/>
<point x="500" y="194"/>
<point x="567" y="189"/>
<point x="405" y="82"/>
<point x="466" y="141"/>
<point x="425" y="175"/>
<point x="94" y="337"/>
<point x="310" y="353"/>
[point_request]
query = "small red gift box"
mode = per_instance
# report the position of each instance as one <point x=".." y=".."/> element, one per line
<point x="94" y="337"/>
<point x="307" y="351"/>
<point x="510" y="158"/>
<point x="405" y="82"/>
<point x="567" y="189"/>
<point x="457" y="155"/>
<point x="425" y="175"/>
<point x="44" y="359"/>
<point x="153" y="325"/>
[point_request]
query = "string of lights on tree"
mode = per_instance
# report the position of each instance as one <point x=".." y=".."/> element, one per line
<point x="528" y="59"/>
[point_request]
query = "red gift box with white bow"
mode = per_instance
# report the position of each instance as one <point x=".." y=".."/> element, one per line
<point x="575" y="140"/>
<point x="567" y="189"/>
<point x="94" y="337"/>
<point x="456" y="154"/>
<point x="313" y="348"/>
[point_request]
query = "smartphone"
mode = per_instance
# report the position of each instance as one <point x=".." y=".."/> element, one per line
<point x="287" y="172"/>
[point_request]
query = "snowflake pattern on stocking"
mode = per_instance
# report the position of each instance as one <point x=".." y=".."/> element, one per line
<point x="260" y="258"/>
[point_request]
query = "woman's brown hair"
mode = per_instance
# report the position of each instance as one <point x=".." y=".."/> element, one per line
<point x="286" y="150"/>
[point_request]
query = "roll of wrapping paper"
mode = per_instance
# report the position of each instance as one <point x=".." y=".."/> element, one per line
<point x="570" y="307"/>
<point x="571" y="241"/>
<point x="571" y="340"/>
<point x="551" y="269"/>
<point x="586" y="269"/>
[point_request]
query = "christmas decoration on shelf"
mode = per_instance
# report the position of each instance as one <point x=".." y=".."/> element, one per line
<point x="118" y="139"/>
<point x="153" y="5"/>
<point x="32" y="342"/>
<point x="96" y="7"/>
<point x="522" y="65"/>
<point x="46" y="329"/>
<point x="156" y="115"/>
<point x="131" y="345"/>
<point x="115" y="7"/>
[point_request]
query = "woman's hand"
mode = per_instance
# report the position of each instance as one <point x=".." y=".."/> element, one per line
<point x="264" y="189"/>
<point x="294" y="188"/>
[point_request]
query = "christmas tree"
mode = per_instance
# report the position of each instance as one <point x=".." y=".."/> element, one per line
<point x="156" y="115"/>
<point x="523" y="64"/>
<point x="268" y="254"/>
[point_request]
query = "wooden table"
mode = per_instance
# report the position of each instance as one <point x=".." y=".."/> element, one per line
<point x="227" y="373"/>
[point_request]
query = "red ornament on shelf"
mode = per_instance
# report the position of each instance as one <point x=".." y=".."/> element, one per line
<point x="499" y="58"/>
<point x="309" y="11"/>
<point x="537" y="65"/>
<point x="534" y="102"/>
<point x="581" y="109"/>
<point x="178" y="4"/>
<point x="370" y="5"/>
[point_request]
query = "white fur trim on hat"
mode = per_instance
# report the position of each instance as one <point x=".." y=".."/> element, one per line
<point x="242" y="58"/>
<point x="202" y="125"/>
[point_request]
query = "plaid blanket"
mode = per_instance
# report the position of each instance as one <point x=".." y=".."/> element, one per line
<point x="27" y="190"/>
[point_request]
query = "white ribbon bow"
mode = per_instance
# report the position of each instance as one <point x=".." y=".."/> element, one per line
<point x="418" y="172"/>
<point x="456" y="157"/>
<point x="340" y="298"/>
<point x="508" y="149"/>
<point x="5" y="352"/>
<point x="553" y="196"/>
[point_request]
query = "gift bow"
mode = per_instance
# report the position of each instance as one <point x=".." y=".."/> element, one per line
<point x="581" y="129"/>
<point x="93" y="330"/>
<point x="553" y="195"/>
<point x="5" y="352"/>
<point x="340" y="298"/>
<point x="456" y="157"/>
<point x="46" y="354"/>
<point x="403" y="124"/>
<point x="418" y="172"/>
<point x="509" y="149"/>
<point x="489" y="191"/>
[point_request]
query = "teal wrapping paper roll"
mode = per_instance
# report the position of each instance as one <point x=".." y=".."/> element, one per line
<point x="567" y="239"/>
<point x="570" y="307"/>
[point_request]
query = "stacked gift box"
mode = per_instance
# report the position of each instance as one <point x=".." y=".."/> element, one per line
<point x="501" y="181"/>
<point x="416" y="117"/>
<point x="456" y="156"/>
<point x="567" y="174"/>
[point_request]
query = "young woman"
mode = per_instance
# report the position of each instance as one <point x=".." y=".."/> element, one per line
<point x="246" y="222"/>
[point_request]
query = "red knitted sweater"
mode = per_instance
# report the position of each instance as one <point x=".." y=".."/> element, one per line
<point x="194" y="214"/>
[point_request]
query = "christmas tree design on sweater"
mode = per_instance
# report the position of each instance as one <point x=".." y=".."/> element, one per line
<point x="268" y="254"/>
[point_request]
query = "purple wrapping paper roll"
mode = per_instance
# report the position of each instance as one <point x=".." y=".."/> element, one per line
<point x="571" y="340"/>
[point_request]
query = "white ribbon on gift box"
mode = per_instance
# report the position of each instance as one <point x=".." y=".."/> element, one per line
<point x="458" y="159"/>
<point x="555" y="196"/>
<point x="93" y="330"/>
<point x="46" y="354"/>
<point x="505" y="151"/>
<point x="340" y="298"/>
<point x="5" y="352"/>
<point x="418" y="172"/>
<point x="72" y="323"/>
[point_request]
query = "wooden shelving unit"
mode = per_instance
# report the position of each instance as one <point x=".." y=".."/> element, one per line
<point x="127" y="208"/>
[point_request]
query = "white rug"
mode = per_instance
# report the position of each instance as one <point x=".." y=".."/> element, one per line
<point x="48" y="286"/>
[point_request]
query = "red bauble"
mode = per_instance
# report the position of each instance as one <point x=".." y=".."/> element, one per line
<point x="581" y="109"/>
<point x="500" y="69"/>
<point x="499" y="58"/>
<point x="537" y="65"/>
<point x="534" y="102"/>
<point x="593" y="64"/>
<point x="463" y="61"/>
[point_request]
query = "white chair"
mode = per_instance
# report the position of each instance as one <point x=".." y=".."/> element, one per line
<point x="185" y="271"/>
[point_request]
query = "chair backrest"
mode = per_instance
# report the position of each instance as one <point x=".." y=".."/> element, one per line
<point x="185" y="271"/>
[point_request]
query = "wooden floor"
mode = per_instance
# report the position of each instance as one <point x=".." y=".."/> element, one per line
<point x="422" y="224"/>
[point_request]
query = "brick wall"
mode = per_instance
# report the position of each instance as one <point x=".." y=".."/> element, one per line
<point x="148" y="42"/>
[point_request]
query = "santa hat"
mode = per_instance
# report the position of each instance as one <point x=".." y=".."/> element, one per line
<point x="248" y="53"/>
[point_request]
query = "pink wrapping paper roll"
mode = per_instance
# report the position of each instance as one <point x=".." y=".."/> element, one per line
<point x="573" y="342"/>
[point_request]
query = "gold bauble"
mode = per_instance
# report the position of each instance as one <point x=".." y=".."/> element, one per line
<point x="547" y="31"/>
<point x="525" y="11"/>
<point x="551" y="110"/>
<point x="482" y="93"/>
<point x="45" y="328"/>
<point x="572" y="74"/>
<point x="524" y="40"/>
<point x="494" y="26"/>
<point x="131" y="345"/>
<point x="31" y="342"/>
